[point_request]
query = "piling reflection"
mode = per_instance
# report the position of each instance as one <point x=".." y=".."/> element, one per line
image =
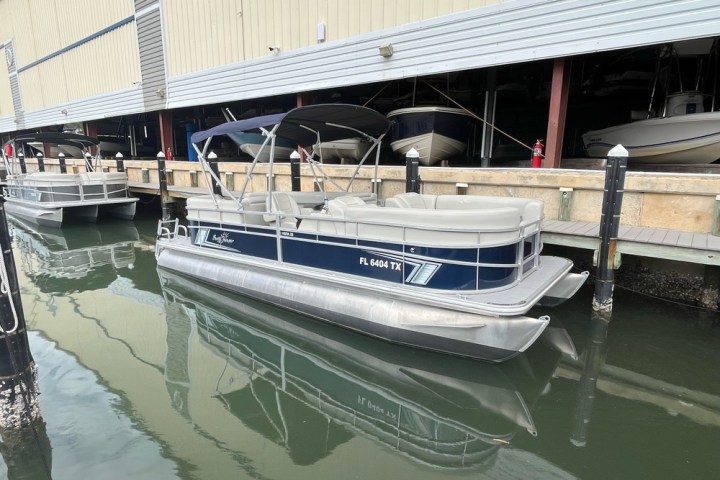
<point x="593" y="361"/>
<point x="310" y="387"/>
<point x="27" y="453"/>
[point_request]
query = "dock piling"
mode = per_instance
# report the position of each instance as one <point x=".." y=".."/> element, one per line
<point x="119" y="162"/>
<point x="40" y="162"/>
<point x="162" y="180"/>
<point x="412" y="171"/>
<point x="19" y="406"/>
<point x="295" y="171"/>
<point x="609" y="226"/>
<point x="61" y="161"/>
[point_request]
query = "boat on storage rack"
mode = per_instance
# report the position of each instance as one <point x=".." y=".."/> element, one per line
<point x="451" y="273"/>
<point x="46" y="198"/>
<point x="436" y="133"/>
<point x="687" y="134"/>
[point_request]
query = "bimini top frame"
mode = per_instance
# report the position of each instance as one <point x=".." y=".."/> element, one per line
<point x="81" y="142"/>
<point x="305" y="126"/>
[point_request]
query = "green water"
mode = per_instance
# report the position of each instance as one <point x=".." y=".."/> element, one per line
<point x="145" y="375"/>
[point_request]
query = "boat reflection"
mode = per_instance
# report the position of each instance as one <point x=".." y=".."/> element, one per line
<point x="310" y="387"/>
<point x="55" y="258"/>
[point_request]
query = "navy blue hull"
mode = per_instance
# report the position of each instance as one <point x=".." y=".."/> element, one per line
<point x="410" y="123"/>
<point x="466" y="269"/>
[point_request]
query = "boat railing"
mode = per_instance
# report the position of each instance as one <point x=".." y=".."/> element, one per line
<point x="449" y="437"/>
<point x="169" y="229"/>
<point x="67" y="191"/>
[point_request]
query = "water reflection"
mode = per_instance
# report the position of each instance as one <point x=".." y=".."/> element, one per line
<point x="310" y="387"/>
<point x="186" y="381"/>
<point x="27" y="453"/>
<point x="55" y="258"/>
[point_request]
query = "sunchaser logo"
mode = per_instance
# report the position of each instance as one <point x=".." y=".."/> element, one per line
<point x="222" y="239"/>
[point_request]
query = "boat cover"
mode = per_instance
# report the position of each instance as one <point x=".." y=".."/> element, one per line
<point x="309" y="124"/>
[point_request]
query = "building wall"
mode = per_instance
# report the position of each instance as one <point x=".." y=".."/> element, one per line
<point x="79" y="60"/>
<point x="205" y="34"/>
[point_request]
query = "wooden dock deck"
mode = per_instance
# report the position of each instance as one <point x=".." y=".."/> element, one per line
<point x="661" y="243"/>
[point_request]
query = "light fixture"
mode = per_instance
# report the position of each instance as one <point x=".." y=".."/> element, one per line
<point x="386" y="50"/>
<point x="320" y="32"/>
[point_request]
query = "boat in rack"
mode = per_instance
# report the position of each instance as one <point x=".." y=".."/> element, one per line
<point x="251" y="144"/>
<point x="687" y="135"/>
<point x="47" y="198"/>
<point x="436" y="133"/>
<point x="451" y="273"/>
<point x="345" y="149"/>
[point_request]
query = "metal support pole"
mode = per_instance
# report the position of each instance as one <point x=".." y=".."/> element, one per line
<point x="295" y="171"/>
<point x="21" y="160"/>
<point x="609" y="226"/>
<point x="19" y="407"/>
<point x="61" y="160"/>
<point x="412" y="171"/>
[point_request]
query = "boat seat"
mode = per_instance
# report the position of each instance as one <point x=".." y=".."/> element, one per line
<point x="284" y="207"/>
<point x="436" y="227"/>
<point x="202" y="209"/>
<point x="531" y="210"/>
<point x="336" y="206"/>
<point x="332" y="222"/>
<point x="411" y="200"/>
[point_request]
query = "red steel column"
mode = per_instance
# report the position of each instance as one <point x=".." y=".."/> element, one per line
<point x="91" y="131"/>
<point x="558" y="110"/>
<point x="166" y="130"/>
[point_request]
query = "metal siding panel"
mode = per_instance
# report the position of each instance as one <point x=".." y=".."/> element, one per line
<point x="502" y="33"/>
<point x="218" y="42"/>
<point x="114" y="67"/>
<point x="112" y="104"/>
<point x="141" y="4"/>
<point x="152" y="59"/>
<point x="30" y="89"/>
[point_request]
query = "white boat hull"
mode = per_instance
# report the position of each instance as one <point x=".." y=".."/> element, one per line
<point x="253" y="149"/>
<point x="688" y="139"/>
<point x="353" y="149"/>
<point x="432" y="147"/>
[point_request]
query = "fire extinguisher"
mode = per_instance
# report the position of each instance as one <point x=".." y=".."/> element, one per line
<point x="168" y="154"/>
<point x="537" y="154"/>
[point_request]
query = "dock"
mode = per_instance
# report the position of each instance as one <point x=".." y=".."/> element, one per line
<point x="660" y="243"/>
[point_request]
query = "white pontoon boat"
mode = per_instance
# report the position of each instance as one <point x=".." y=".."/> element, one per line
<point x="451" y="273"/>
<point x="45" y="198"/>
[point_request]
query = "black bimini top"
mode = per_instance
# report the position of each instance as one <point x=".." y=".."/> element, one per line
<point x="306" y="125"/>
<point x="58" y="138"/>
